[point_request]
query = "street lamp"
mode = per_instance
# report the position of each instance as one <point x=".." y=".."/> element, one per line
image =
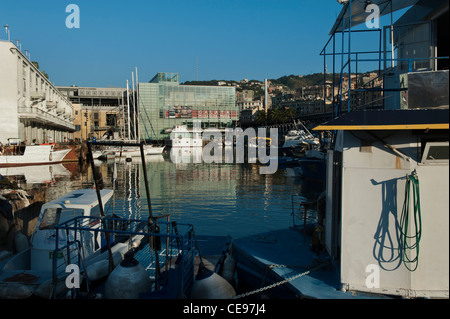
<point x="6" y="26"/>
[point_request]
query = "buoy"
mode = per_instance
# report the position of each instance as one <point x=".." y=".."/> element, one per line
<point x="20" y="242"/>
<point x="46" y="289"/>
<point x="127" y="280"/>
<point x="228" y="269"/>
<point x="15" y="291"/>
<point x="100" y="268"/>
<point x="5" y="254"/>
<point x="209" y="285"/>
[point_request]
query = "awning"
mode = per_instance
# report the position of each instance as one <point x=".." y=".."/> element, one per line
<point x="417" y="119"/>
<point x="359" y="14"/>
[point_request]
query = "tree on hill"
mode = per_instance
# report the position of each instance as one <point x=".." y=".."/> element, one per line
<point x="36" y="64"/>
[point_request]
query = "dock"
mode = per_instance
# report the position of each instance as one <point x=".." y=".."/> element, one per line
<point x="266" y="259"/>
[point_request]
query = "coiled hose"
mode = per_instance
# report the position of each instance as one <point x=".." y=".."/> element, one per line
<point x="410" y="238"/>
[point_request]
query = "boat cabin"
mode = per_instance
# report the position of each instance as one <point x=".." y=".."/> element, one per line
<point x="82" y="202"/>
<point x="387" y="201"/>
<point x="36" y="262"/>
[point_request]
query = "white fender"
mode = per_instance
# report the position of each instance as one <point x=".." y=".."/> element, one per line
<point x="100" y="268"/>
<point x="5" y="254"/>
<point x="209" y="285"/>
<point x="229" y="267"/>
<point x="15" y="291"/>
<point x="45" y="290"/>
<point x="20" y="242"/>
<point x="127" y="281"/>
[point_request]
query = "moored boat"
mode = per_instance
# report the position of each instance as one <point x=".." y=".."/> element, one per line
<point x="35" y="155"/>
<point x="181" y="136"/>
<point x="30" y="272"/>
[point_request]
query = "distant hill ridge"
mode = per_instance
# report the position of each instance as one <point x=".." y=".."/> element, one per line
<point x="290" y="82"/>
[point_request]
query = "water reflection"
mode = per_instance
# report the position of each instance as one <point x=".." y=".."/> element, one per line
<point x="218" y="198"/>
<point x="46" y="174"/>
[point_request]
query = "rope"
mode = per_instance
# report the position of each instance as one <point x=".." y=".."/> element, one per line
<point x="282" y="282"/>
<point x="405" y="221"/>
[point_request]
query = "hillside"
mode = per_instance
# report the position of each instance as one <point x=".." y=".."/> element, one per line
<point x="290" y="82"/>
<point x="295" y="82"/>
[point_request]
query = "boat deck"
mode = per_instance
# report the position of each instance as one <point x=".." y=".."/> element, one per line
<point x="210" y="250"/>
<point x="271" y="257"/>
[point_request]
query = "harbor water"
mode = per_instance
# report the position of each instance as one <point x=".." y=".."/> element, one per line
<point x="217" y="199"/>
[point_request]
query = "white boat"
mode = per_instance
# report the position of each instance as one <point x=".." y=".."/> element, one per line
<point x="181" y="136"/>
<point x="30" y="271"/>
<point x="255" y="142"/>
<point x="35" y="155"/>
<point x="299" y="138"/>
<point x="153" y="150"/>
<point x="131" y="151"/>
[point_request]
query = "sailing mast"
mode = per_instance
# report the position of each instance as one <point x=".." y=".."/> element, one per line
<point x="133" y="106"/>
<point x="128" y="109"/>
<point x="137" y="108"/>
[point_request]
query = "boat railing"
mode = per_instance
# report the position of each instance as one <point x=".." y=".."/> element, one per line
<point x="165" y="249"/>
<point x="303" y="211"/>
<point x="71" y="254"/>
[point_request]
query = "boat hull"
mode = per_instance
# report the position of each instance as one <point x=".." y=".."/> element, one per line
<point x="37" y="157"/>
<point x="312" y="168"/>
<point x="154" y="150"/>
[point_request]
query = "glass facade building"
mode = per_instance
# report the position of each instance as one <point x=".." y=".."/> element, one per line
<point x="164" y="103"/>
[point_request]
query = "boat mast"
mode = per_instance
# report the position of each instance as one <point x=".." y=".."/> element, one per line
<point x="138" y="135"/>
<point x="133" y="101"/>
<point x="128" y="109"/>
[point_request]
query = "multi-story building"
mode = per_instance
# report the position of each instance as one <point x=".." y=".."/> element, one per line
<point x="33" y="109"/>
<point x="245" y="96"/>
<point x="96" y="111"/>
<point x="164" y="103"/>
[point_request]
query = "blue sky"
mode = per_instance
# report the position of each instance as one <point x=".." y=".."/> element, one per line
<point x="233" y="40"/>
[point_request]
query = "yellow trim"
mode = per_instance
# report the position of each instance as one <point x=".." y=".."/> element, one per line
<point x="325" y="127"/>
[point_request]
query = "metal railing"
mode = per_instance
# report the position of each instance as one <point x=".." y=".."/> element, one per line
<point x="44" y="117"/>
<point x="165" y="249"/>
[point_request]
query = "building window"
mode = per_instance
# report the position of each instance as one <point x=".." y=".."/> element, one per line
<point x="77" y="128"/>
<point x="111" y="119"/>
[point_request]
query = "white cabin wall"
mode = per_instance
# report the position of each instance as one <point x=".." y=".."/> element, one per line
<point x="373" y="189"/>
<point x="329" y="208"/>
<point x="432" y="273"/>
<point x="371" y="208"/>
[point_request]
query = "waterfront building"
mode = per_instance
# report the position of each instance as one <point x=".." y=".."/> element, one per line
<point x="96" y="111"/>
<point x="245" y="96"/>
<point x="247" y="116"/>
<point x="164" y="104"/>
<point x="33" y="109"/>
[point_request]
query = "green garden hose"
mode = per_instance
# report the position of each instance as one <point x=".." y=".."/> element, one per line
<point x="410" y="242"/>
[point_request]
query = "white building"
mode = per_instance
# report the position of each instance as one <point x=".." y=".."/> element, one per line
<point x="32" y="108"/>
